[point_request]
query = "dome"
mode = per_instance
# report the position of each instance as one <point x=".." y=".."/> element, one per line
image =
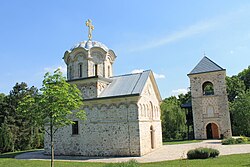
<point x="90" y="44"/>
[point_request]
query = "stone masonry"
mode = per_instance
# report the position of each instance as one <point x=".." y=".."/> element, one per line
<point x="212" y="108"/>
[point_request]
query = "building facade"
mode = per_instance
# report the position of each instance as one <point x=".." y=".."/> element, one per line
<point x="123" y="112"/>
<point x="209" y="101"/>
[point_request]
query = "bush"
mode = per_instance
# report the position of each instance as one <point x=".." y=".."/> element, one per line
<point x="130" y="163"/>
<point x="240" y="140"/>
<point x="228" y="141"/>
<point x="213" y="152"/>
<point x="202" y="153"/>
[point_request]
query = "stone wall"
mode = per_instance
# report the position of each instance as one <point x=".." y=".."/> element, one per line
<point x="125" y="126"/>
<point x="210" y="108"/>
<point x="109" y="130"/>
<point x="149" y="117"/>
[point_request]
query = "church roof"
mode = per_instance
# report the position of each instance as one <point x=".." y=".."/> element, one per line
<point x="90" y="44"/>
<point x="206" y="65"/>
<point x="129" y="84"/>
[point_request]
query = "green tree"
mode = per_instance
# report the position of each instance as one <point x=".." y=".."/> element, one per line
<point x="173" y="119"/>
<point x="235" y="86"/>
<point x="53" y="107"/>
<point x="245" y="77"/>
<point x="185" y="98"/>
<point x="6" y="138"/>
<point x="240" y="111"/>
<point x="19" y="125"/>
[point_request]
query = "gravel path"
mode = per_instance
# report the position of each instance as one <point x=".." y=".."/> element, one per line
<point x="166" y="152"/>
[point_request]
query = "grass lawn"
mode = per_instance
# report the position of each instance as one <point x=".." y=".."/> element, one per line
<point x="7" y="160"/>
<point x="181" y="142"/>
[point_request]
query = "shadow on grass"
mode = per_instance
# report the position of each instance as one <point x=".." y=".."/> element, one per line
<point x="13" y="154"/>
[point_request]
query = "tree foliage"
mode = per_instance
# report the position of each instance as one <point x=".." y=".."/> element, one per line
<point x="240" y="110"/>
<point x="173" y="119"/>
<point x="238" y="87"/>
<point x="54" y="105"/>
<point x="14" y="124"/>
<point x="235" y="86"/>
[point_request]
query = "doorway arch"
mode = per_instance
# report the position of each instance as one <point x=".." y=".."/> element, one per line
<point x="212" y="131"/>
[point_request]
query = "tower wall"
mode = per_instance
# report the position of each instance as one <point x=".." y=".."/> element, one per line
<point x="210" y="108"/>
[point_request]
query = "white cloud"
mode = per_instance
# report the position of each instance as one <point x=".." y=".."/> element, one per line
<point x="178" y="91"/>
<point x="201" y="27"/>
<point x="157" y="76"/>
<point x="189" y="31"/>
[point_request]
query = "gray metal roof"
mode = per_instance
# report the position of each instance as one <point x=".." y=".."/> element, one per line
<point x="126" y="85"/>
<point x="206" y="65"/>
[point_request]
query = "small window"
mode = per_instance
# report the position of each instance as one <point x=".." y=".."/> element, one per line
<point x="75" y="128"/>
<point x="96" y="69"/>
<point x="108" y="71"/>
<point x="80" y="70"/>
<point x="70" y="72"/>
<point x="208" y="88"/>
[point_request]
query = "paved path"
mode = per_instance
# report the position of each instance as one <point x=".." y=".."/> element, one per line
<point x="166" y="152"/>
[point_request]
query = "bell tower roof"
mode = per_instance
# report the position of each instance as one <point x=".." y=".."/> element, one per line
<point x="206" y="65"/>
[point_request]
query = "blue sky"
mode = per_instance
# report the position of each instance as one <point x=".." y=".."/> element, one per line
<point x="169" y="37"/>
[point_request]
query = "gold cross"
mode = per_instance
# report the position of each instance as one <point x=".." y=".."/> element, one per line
<point x="91" y="28"/>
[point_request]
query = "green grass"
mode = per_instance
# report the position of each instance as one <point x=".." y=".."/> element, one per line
<point x="181" y="142"/>
<point x="242" y="160"/>
<point x="222" y="161"/>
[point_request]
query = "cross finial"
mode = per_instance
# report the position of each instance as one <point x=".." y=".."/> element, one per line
<point x="91" y="28"/>
<point x="204" y="53"/>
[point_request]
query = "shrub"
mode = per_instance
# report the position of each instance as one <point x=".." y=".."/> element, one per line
<point x="213" y="152"/>
<point x="228" y="141"/>
<point x="240" y="140"/>
<point x="202" y="153"/>
<point x="130" y="163"/>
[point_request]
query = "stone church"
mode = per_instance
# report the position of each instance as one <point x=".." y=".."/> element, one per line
<point x="123" y="112"/>
<point x="211" y="118"/>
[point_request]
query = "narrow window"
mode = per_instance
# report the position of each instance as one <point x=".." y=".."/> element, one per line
<point x="80" y="70"/>
<point x="75" y="128"/>
<point x="108" y="71"/>
<point x="96" y="69"/>
<point x="70" y="72"/>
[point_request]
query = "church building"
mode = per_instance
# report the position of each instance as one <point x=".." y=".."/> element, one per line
<point x="211" y="116"/>
<point x="122" y="112"/>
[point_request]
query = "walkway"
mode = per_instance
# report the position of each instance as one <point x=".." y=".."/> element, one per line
<point x="166" y="152"/>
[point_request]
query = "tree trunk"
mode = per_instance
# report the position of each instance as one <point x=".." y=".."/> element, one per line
<point x="52" y="145"/>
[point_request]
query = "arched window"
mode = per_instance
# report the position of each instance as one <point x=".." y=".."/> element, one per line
<point x="96" y="69"/>
<point x="70" y="72"/>
<point x="80" y="70"/>
<point x="208" y="88"/>
<point x="108" y="71"/>
<point x="151" y="110"/>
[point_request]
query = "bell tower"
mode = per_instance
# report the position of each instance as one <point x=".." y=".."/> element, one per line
<point x="89" y="65"/>
<point x="209" y="101"/>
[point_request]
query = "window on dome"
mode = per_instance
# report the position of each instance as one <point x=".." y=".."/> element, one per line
<point x="80" y="70"/>
<point x="108" y="71"/>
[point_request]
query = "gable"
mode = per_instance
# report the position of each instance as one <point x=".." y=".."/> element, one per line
<point x="150" y="88"/>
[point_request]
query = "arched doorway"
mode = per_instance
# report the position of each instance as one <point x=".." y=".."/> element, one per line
<point x="152" y="137"/>
<point x="212" y="131"/>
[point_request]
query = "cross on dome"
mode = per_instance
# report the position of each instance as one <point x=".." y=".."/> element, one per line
<point x="91" y="28"/>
